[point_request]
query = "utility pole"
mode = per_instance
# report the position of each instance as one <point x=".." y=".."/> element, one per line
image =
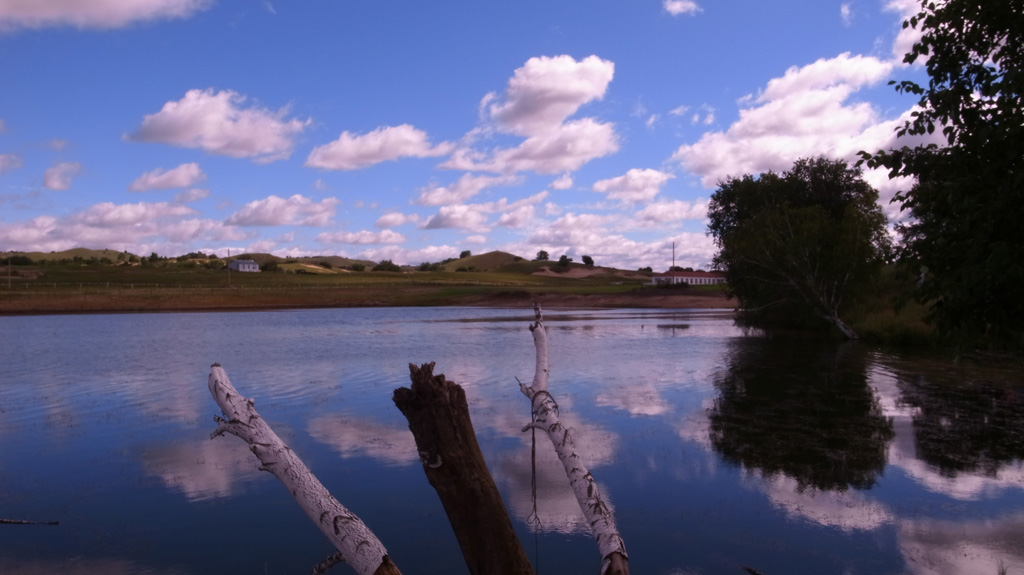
<point x="673" y="256"/>
<point x="229" y="268"/>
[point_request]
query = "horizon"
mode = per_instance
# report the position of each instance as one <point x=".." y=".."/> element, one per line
<point x="412" y="132"/>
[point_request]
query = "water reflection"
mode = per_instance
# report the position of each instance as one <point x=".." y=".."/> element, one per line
<point x="352" y="437"/>
<point x="801" y="409"/>
<point x="943" y="547"/>
<point x="975" y="427"/>
<point x="204" y="469"/>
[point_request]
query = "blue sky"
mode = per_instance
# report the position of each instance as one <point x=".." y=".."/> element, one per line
<point x="412" y="131"/>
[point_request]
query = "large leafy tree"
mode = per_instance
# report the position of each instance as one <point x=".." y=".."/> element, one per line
<point x="797" y="247"/>
<point x="963" y="239"/>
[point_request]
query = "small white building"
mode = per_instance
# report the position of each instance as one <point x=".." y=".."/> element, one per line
<point x="696" y="278"/>
<point x="243" y="266"/>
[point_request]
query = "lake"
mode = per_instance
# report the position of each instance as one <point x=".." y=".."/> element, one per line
<point x="718" y="448"/>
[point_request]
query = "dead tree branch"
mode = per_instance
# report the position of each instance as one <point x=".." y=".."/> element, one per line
<point x="614" y="560"/>
<point x="359" y="547"/>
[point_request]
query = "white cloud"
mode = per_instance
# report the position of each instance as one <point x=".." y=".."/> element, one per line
<point x="183" y="176"/>
<point x="353" y="152"/>
<point x="59" y="177"/>
<point x="562" y="183"/>
<point x="412" y="257"/>
<point x="101" y="14"/>
<point x="475" y="240"/>
<point x="110" y="215"/>
<point x="678" y="111"/>
<point x="635" y="186"/>
<point x="362" y="237"/>
<point x="191" y="195"/>
<point x="547" y="90"/>
<point x="216" y="123"/>
<point x="563" y="149"/>
<point x="538" y="101"/>
<point x="320" y="185"/>
<point x="846" y="13"/>
<point x="804" y="113"/>
<point x="462" y="190"/>
<point x="677" y="7"/>
<point x="517" y="218"/>
<point x="459" y="216"/>
<point x="651" y="121"/>
<point x="9" y="162"/>
<point x="906" y="37"/>
<point x="673" y="211"/>
<point x="473" y="217"/>
<point x="296" y="210"/>
<point x="394" y="219"/>
<point x="141" y="228"/>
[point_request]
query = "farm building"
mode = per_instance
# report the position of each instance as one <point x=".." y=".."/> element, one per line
<point x="689" y="278"/>
<point x="243" y="266"/>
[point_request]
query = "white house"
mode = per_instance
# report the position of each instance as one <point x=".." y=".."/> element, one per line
<point x="690" y="278"/>
<point x="243" y="266"/>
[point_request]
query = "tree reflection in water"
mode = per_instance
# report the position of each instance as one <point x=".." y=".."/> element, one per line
<point x="803" y="409"/>
<point x="965" y="422"/>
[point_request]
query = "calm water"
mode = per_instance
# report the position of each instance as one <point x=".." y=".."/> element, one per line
<point x="717" y="449"/>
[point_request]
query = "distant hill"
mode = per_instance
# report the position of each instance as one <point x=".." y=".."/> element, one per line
<point x="491" y="261"/>
<point x="71" y="254"/>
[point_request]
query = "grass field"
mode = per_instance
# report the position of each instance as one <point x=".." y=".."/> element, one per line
<point x="74" y="287"/>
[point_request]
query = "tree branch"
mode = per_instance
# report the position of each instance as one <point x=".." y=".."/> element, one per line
<point x="614" y="560"/>
<point x="358" y="546"/>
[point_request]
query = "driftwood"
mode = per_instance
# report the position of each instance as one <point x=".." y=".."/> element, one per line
<point x="358" y="546"/>
<point x="614" y="560"/>
<point x="439" y="420"/>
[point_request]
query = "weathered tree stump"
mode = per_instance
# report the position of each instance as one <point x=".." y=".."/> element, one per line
<point x="439" y="419"/>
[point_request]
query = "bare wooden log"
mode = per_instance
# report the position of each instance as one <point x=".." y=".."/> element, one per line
<point x="614" y="560"/>
<point x="359" y="547"/>
<point x="439" y="420"/>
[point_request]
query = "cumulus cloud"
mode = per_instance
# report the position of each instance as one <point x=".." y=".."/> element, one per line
<point x="677" y="7"/>
<point x="191" y="195"/>
<point x="362" y="237"/>
<point x="394" y="219"/>
<point x="353" y="151"/>
<point x="804" y="113"/>
<point x="906" y="37"/>
<point x="217" y="123"/>
<point x="516" y="218"/>
<point x="58" y="177"/>
<point x="105" y="14"/>
<point x="462" y="190"/>
<point x="538" y="101"/>
<point x="183" y="176"/>
<point x="562" y="149"/>
<point x="846" y="13"/>
<point x="297" y="210"/>
<point x="633" y="187"/>
<point x="562" y="183"/>
<point x="140" y="227"/>
<point x="474" y="217"/>
<point x="546" y="91"/>
<point x="9" y="162"/>
<point x="459" y="216"/>
<point x="673" y="211"/>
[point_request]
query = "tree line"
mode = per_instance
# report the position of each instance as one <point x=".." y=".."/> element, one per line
<point x="801" y="248"/>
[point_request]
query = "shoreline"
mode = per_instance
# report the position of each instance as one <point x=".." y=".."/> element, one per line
<point x="652" y="299"/>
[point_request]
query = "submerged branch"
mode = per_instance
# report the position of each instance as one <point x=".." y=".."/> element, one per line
<point x="614" y="560"/>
